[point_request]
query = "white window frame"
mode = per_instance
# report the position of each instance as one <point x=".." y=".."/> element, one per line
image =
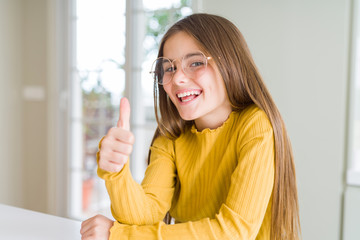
<point x="59" y="17"/>
<point x="353" y="174"/>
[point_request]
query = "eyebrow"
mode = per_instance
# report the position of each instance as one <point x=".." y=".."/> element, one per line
<point x="188" y="55"/>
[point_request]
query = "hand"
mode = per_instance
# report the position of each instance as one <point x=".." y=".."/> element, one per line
<point x="117" y="145"/>
<point x="96" y="228"/>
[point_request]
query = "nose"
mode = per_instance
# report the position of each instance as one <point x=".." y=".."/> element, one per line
<point x="179" y="76"/>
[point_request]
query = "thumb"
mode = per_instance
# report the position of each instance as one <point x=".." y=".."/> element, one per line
<point x="124" y="118"/>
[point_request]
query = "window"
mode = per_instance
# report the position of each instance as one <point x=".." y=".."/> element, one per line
<point x="353" y="174"/>
<point x="111" y="60"/>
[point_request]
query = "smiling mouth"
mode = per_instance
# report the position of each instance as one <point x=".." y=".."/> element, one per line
<point x="188" y="95"/>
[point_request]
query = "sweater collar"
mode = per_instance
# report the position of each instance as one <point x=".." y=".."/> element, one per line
<point x="210" y="131"/>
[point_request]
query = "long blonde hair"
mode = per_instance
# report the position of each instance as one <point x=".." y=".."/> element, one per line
<point x="218" y="37"/>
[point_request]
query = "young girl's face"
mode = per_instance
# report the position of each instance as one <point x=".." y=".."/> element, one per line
<point x="206" y="99"/>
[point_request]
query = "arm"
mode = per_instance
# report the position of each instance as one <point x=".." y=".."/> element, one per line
<point x="132" y="203"/>
<point x="241" y="215"/>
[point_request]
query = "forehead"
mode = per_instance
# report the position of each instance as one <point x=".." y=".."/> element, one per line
<point x="179" y="45"/>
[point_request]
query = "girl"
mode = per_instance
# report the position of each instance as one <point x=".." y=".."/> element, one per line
<point x="220" y="162"/>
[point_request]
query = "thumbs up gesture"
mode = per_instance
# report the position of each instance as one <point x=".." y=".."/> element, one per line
<point x="118" y="143"/>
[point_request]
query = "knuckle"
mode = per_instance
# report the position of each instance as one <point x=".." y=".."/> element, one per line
<point x="105" y="142"/>
<point x="102" y="165"/>
<point x="97" y="219"/>
<point x="118" y="147"/>
<point x="112" y="162"/>
<point x="103" y="155"/>
<point x="128" y="149"/>
<point x="114" y="156"/>
<point x="123" y="159"/>
<point x="111" y="131"/>
<point x="131" y="138"/>
<point x="116" y="168"/>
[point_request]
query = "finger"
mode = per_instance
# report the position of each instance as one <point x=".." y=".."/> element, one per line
<point x="96" y="228"/>
<point x="89" y="235"/>
<point x="85" y="226"/>
<point x="112" y="166"/>
<point x="119" y="134"/>
<point x="124" y="118"/>
<point x="114" y="157"/>
<point x="120" y="147"/>
<point x="88" y="225"/>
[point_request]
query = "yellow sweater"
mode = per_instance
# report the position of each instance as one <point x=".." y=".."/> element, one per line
<point x="217" y="184"/>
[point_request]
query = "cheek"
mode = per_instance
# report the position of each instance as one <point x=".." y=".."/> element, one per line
<point x="167" y="89"/>
<point x="211" y="83"/>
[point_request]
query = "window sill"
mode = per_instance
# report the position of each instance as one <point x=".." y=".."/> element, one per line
<point x="353" y="177"/>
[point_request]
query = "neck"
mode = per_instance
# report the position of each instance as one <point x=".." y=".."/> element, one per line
<point x="212" y="120"/>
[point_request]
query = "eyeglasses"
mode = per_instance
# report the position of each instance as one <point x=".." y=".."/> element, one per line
<point x="193" y="66"/>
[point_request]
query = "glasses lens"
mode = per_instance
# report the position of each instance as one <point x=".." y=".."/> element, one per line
<point x="194" y="65"/>
<point x="162" y="70"/>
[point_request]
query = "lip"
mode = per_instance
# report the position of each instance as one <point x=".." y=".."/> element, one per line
<point x="187" y="90"/>
<point x="189" y="98"/>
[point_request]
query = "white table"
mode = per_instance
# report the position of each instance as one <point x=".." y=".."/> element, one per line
<point x="17" y="223"/>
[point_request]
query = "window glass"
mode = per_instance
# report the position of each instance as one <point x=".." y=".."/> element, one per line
<point x="98" y="84"/>
<point x="99" y="81"/>
<point x="159" y="16"/>
<point x="356" y="107"/>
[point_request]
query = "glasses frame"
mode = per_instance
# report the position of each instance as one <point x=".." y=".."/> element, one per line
<point x="153" y="73"/>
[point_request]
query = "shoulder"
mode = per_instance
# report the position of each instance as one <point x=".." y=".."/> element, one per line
<point x="253" y="116"/>
<point x="252" y="122"/>
<point x="163" y="144"/>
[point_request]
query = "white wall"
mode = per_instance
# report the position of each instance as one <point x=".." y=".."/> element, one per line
<point x="301" y="49"/>
<point x="34" y="124"/>
<point x="23" y="122"/>
<point x="11" y="74"/>
<point x="351" y="213"/>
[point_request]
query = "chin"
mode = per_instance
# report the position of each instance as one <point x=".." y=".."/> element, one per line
<point x="187" y="117"/>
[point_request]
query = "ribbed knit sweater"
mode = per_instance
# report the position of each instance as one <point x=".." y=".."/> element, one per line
<point x="217" y="184"/>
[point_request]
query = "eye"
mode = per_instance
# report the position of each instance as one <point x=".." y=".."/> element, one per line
<point x="169" y="69"/>
<point x="197" y="64"/>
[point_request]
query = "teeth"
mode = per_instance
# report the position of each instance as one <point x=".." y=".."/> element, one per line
<point x="188" y="93"/>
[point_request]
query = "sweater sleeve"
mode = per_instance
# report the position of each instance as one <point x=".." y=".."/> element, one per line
<point x="132" y="203"/>
<point x="241" y="215"/>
